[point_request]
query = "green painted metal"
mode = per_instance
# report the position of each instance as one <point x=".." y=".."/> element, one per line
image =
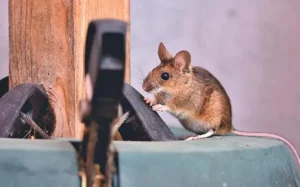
<point x="41" y="163"/>
<point x="229" y="161"/>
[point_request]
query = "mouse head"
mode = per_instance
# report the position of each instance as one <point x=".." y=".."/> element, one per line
<point x="173" y="73"/>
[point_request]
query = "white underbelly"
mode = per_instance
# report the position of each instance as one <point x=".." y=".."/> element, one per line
<point x="195" y="126"/>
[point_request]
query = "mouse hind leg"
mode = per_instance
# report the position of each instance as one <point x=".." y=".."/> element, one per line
<point x="208" y="134"/>
<point x="226" y="125"/>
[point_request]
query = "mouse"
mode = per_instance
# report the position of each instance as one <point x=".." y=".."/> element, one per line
<point x="194" y="96"/>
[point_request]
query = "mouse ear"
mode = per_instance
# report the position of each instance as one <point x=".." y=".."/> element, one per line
<point x="163" y="53"/>
<point x="182" y="60"/>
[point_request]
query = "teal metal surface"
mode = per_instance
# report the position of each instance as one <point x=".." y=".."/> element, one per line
<point x="229" y="161"/>
<point x="38" y="163"/>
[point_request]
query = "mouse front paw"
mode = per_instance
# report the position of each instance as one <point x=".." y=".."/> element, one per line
<point x="160" y="107"/>
<point x="150" y="101"/>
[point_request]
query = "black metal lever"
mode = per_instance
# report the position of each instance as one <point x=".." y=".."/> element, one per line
<point x="104" y="64"/>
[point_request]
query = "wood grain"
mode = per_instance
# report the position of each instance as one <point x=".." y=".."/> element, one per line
<point x="46" y="46"/>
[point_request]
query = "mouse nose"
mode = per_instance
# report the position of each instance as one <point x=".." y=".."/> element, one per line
<point x="147" y="86"/>
<point x="144" y="87"/>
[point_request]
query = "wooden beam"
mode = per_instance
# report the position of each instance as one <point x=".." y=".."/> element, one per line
<point x="46" y="46"/>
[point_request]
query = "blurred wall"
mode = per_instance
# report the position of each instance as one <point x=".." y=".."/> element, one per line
<point x="3" y="38"/>
<point x="252" y="47"/>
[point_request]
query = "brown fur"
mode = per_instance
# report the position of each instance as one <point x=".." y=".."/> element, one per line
<point x="193" y="94"/>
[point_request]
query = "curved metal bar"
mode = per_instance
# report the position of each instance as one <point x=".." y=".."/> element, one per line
<point x="30" y="99"/>
<point x="144" y="124"/>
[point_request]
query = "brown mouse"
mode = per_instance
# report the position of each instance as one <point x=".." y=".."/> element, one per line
<point x="194" y="96"/>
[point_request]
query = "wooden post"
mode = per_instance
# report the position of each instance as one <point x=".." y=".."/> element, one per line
<point x="46" y="46"/>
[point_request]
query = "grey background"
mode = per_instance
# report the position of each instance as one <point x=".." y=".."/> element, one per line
<point x="252" y="47"/>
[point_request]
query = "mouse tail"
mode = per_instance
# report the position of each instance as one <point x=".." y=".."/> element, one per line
<point x="267" y="135"/>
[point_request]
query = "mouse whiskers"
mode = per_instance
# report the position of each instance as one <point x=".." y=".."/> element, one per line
<point x="140" y="76"/>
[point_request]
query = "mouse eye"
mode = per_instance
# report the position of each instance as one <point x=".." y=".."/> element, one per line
<point x="165" y="76"/>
